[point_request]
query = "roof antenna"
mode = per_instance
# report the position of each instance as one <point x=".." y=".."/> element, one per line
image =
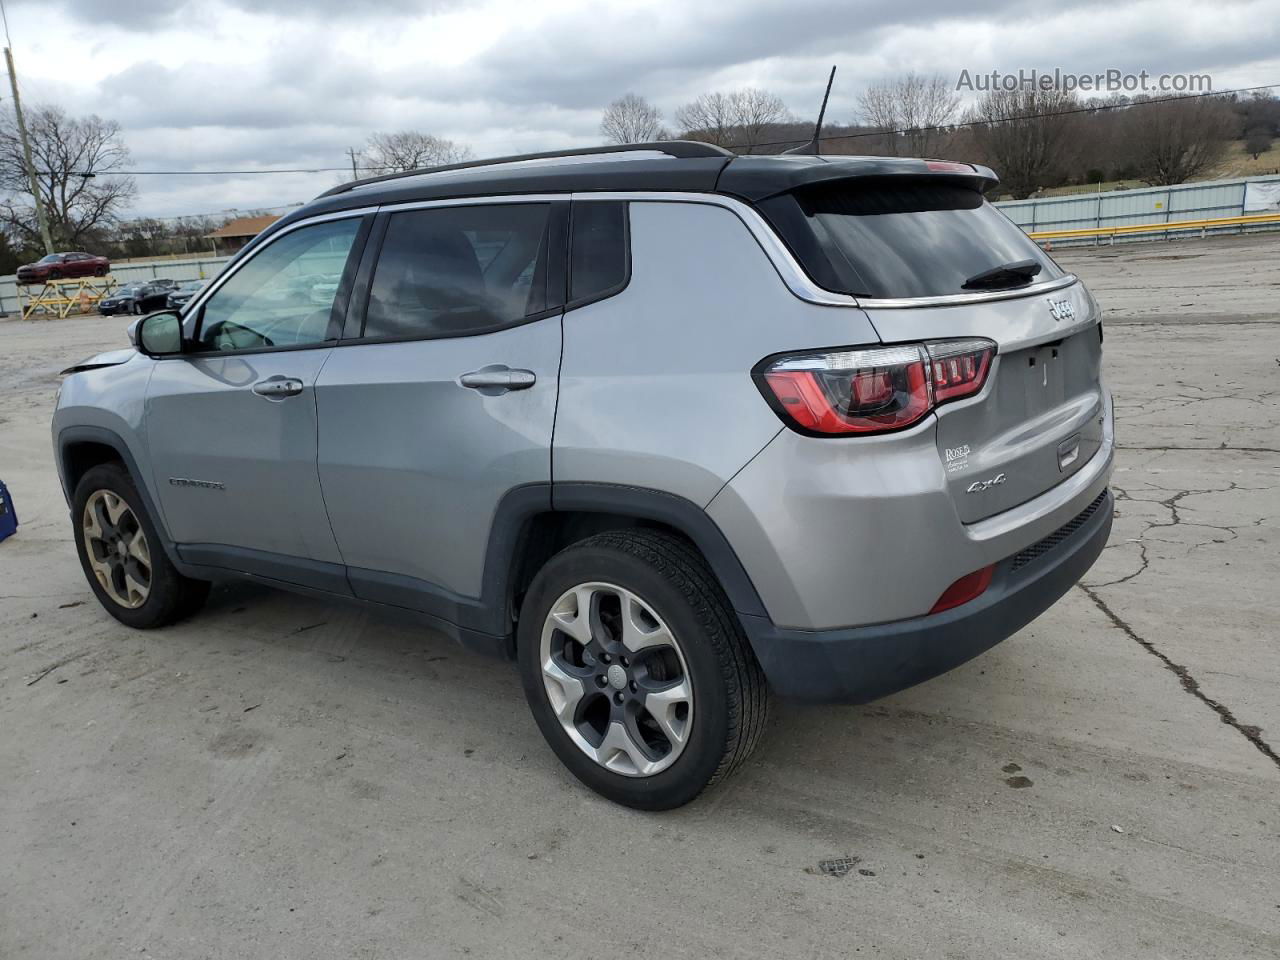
<point x="813" y="147"/>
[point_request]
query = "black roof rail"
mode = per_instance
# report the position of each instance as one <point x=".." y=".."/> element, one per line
<point x="680" y="149"/>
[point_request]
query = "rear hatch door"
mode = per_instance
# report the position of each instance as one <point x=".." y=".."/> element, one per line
<point x="928" y="258"/>
<point x="1039" y="417"/>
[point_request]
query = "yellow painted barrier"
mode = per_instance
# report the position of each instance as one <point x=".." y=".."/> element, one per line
<point x="1154" y="227"/>
<point x="60" y="297"/>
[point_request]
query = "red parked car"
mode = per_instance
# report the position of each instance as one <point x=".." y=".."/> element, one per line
<point x="64" y="266"/>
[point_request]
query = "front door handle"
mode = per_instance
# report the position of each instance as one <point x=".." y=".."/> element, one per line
<point x="277" y="388"/>
<point x="497" y="379"/>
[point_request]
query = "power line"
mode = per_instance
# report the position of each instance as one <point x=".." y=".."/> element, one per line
<point x="223" y="173"/>
<point x="1097" y="108"/>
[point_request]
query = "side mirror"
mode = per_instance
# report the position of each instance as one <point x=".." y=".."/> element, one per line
<point x="158" y="334"/>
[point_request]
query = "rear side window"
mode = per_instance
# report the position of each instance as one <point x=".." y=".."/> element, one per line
<point x="900" y="237"/>
<point x="456" y="271"/>
<point x="598" y="251"/>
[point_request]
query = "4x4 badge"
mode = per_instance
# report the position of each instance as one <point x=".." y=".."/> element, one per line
<point x="979" y="485"/>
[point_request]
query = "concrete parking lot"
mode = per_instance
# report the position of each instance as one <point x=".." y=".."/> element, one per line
<point x="283" y="778"/>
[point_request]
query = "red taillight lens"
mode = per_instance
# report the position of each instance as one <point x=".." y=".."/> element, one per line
<point x="969" y="587"/>
<point x="959" y="367"/>
<point x="948" y="166"/>
<point x="852" y="391"/>
<point x="872" y="390"/>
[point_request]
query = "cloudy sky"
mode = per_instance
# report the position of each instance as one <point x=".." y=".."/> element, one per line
<point x="251" y="84"/>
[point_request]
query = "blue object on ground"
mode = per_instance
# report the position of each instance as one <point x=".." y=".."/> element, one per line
<point x="8" y="518"/>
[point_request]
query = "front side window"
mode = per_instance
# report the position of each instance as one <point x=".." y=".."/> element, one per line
<point x="284" y="295"/>
<point x="456" y="271"/>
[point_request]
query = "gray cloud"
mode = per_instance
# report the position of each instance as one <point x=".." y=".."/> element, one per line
<point x="540" y="81"/>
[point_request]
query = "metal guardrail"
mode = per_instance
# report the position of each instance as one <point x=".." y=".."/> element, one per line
<point x="60" y="297"/>
<point x="1127" y="229"/>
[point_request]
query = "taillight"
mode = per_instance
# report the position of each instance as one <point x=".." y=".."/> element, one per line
<point x="948" y="166"/>
<point x="959" y="367"/>
<point x="872" y="390"/>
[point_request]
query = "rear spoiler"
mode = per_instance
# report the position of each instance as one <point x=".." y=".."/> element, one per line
<point x="758" y="178"/>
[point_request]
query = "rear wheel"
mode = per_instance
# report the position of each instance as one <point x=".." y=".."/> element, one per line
<point x="637" y="671"/>
<point x="122" y="556"/>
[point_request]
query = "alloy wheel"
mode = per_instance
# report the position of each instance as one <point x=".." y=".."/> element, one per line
<point x="116" y="547"/>
<point x="616" y="679"/>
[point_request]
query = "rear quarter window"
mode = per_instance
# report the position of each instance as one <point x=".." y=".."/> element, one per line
<point x="598" y="258"/>
<point x="899" y="237"/>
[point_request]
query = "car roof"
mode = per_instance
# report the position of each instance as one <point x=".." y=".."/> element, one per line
<point x="683" y="166"/>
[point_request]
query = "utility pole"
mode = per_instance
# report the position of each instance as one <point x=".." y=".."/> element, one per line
<point x="355" y="174"/>
<point x="41" y="219"/>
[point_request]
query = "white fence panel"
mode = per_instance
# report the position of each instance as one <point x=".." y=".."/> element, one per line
<point x="1146" y="205"/>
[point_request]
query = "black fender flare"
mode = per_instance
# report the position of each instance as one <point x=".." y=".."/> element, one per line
<point x="523" y="503"/>
<point x="69" y="436"/>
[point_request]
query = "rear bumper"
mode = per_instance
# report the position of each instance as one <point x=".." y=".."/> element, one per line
<point x="858" y="664"/>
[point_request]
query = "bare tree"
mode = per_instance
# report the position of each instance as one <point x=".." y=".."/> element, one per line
<point x="756" y="111"/>
<point x="408" y="150"/>
<point x="1024" y="136"/>
<point x="1257" y="142"/>
<point x="915" y="104"/>
<point x="632" y="119"/>
<point x="711" y="117"/>
<point x="75" y="159"/>
<point x="737" y="119"/>
<point x="1173" y="141"/>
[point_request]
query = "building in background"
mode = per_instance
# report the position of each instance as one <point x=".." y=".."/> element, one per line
<point x="233" y="235"/>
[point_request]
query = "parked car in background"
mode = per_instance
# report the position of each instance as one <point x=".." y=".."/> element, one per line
<point x="178" y="298"/>
<point x="64" y="266"/>
<point x="165" y="282"/>
<point x="135" y="298"/>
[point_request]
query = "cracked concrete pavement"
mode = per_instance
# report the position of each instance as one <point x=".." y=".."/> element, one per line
<point x="286" y="778"/>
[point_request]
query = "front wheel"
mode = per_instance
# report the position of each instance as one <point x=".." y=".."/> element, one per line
<point x="637" y="670"/>
<point x="100" y="272"/>
<point x="137" y="309"/>
<point x="122" y="556"/>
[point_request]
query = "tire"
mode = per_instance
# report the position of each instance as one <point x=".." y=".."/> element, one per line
<point x="100" y="272"/>
<point x="54" y="275"/>
<point x="136" y="309"/>
<point x="671" y="595"/>
<point x="139" y="586"/>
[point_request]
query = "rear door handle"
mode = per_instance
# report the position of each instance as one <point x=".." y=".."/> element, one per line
<point x="497" y="379"/>
<point x="277" y="388"/>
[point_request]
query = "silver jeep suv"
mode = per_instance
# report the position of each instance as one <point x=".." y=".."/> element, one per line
<point x="671" y="428"/>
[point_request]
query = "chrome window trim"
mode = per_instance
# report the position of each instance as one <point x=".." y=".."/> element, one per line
<point x="788" y="268"/>
<point x="793" y="274"/>
<point x="195" y="303"/>
<point x="955" y="299"/>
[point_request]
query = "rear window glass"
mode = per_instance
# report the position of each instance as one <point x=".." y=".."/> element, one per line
<point x="900" y="237"/>
<point x="598" y="258"/>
